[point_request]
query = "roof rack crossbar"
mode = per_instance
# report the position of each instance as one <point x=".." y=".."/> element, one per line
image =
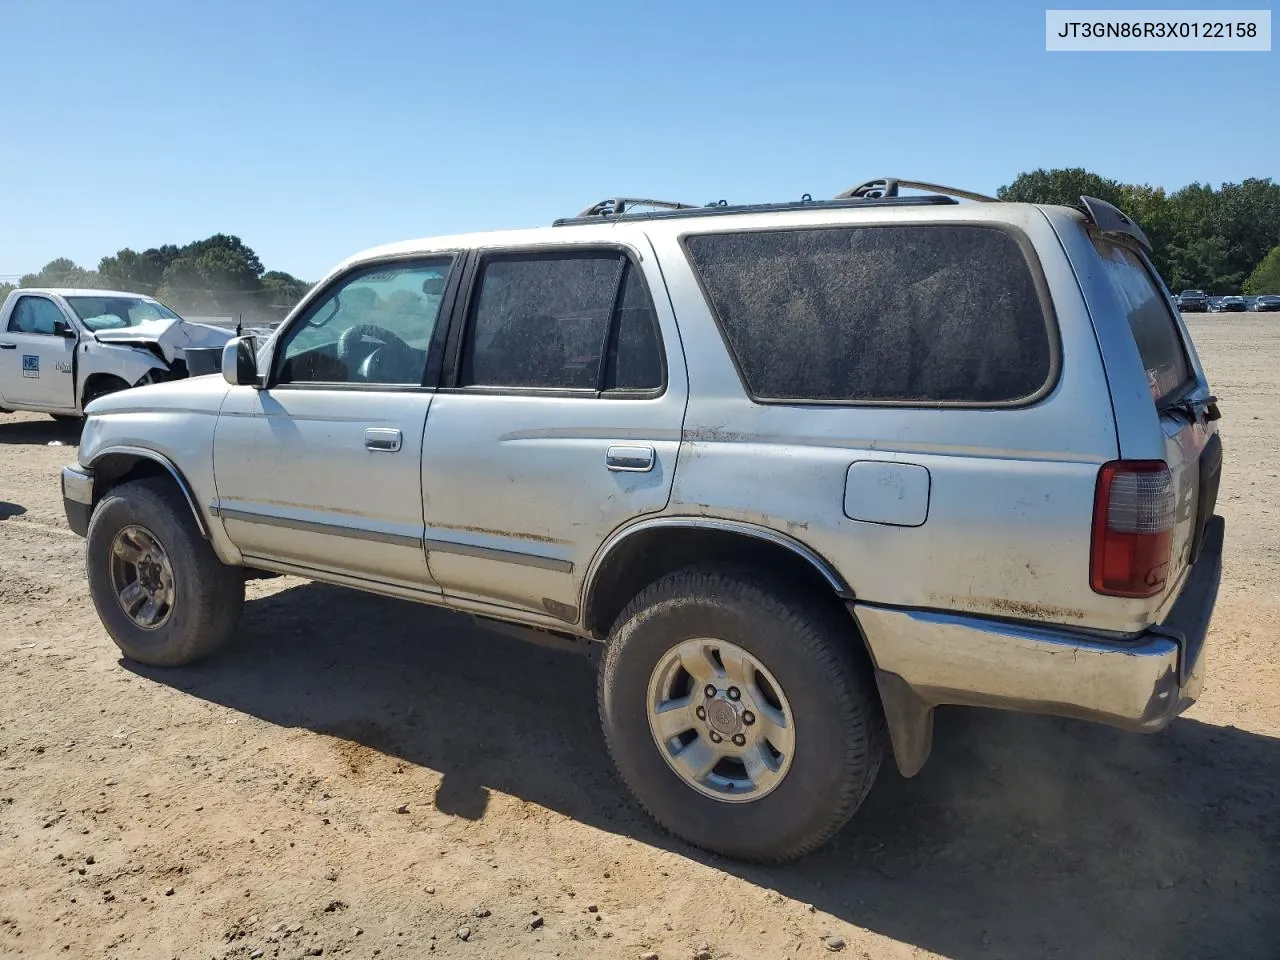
<point x="888" y="187"/>
<point x="616" y="206"/>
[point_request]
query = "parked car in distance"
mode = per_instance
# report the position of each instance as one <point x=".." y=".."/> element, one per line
<point x="1193" y="301"/>
<point x="1231" y="305"/>
<point x="1268" y="302"/>
<point x="60" y="349"/>
<point x="709" y="440"/>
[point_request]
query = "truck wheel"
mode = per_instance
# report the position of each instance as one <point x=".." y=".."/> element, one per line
<point x="161" y="591"/>
<point x="100" y="387"/>
<point x="742" y="716"/>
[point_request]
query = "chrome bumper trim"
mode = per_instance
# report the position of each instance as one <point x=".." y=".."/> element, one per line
<point x="947" y="658"/>
<point x="924" y="658"/>
<point x="77" y="484"/>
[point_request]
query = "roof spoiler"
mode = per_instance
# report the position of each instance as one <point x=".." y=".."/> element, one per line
<point x="1111" y="221"/>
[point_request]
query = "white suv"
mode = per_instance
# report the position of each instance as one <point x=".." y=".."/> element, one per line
<point x="805" y="470"/>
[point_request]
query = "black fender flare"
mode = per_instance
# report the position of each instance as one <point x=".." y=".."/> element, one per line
<point x="145" y="453"/>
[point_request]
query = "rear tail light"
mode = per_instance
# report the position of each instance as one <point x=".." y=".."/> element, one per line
<point x="1133" y="515"/>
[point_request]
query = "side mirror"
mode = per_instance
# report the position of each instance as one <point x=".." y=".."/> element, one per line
<point x="240" y="362"/>
<point x="63" y="329"/>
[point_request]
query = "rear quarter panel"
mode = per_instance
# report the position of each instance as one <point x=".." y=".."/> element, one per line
<point x="1141" y="433"/>
<point x="1008" y="524"/>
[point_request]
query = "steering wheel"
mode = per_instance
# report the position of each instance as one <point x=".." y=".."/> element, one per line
<point x="367" y="331"/>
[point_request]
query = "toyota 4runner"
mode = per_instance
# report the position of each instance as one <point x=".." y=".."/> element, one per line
<point x="804" y="470"/>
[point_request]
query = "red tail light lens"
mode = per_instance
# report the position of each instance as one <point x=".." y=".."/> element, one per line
<point x="1133" y="515"/>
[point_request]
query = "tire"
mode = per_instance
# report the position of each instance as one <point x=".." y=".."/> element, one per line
<point x="101" y="388"/>
<point x="809" y="648"/>
<point x="207" y="595"/>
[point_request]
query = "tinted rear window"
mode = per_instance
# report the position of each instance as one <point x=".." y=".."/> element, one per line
<point x="1154" y="329"/>
<point x="916" y="313"/>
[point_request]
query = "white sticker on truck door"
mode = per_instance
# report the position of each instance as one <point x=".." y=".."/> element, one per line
<point x="31" y="366"/>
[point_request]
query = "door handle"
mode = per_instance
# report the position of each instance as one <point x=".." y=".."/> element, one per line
<point x="630" y="458"/>
<point x="382" y="439"/>
<point x="8" y="346"/>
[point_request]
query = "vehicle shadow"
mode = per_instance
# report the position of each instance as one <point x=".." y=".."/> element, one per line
<point x="8" y="510"/>
<point x="1023" y="836"/>
<point x="39" y="432"/>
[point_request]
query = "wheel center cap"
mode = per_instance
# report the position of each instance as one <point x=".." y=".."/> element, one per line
<point x="723" y="718"/>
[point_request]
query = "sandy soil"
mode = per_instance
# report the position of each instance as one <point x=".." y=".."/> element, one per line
<point x="253" y="803"/>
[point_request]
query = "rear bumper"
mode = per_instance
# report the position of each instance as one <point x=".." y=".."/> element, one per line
<point x="924" y="658"/>
<point x="77" y="498"/>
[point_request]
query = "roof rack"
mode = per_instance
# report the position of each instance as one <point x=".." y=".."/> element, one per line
<point x="886" y="187"/>
<point x="616" y="206"/>
<point x="671" y="211"/>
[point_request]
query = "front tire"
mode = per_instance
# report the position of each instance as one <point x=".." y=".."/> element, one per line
<point x="100" y="387"/>
<point x="742" y="715"/>
<point x="160" y="590"/>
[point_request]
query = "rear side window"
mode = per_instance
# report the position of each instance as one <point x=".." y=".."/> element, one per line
<point x="582" y="321"/>
<point x="912" y="314"/>
<point x="1154" y="330"/>
<point x="635" y="359"/>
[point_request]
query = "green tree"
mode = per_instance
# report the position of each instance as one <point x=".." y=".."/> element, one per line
<point x="217" y="275"/>
<point x="1203" y="263"/>
<point x="137" y="272"/>
<point x="1247" y="216"/>
<point x="61" y="273"/>
<point x="1266" y="276"/>
<point x="1061" y="186"/>
<point x="1202" y="237"/>
<point x="280" y="293"/>
<point x="5" y="290"/>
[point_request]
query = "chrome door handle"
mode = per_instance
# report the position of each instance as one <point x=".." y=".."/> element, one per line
<point x="382" y="439"/>
<point x="630" y="458"/>
<point x="8" y="346"/>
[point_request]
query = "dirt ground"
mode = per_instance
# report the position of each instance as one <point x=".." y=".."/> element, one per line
<point x="365" y="777"/>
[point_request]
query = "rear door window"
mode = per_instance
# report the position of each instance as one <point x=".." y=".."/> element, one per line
<point x="580" y="321"/>
<point x="1150" y="319"/>
<point x="920" y="314"/>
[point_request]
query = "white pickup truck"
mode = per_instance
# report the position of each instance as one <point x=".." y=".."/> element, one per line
<point x="60" y="348"/>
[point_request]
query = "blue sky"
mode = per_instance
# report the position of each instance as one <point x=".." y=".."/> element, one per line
<point x="313" y="130"/>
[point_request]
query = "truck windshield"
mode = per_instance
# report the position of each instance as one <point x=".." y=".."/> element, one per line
<point x="112" y="313"/>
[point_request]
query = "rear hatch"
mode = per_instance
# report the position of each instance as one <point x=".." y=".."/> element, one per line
<point x="1186" y="412"/>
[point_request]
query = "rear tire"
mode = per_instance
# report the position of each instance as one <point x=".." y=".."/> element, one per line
<point x="146" y="554"/>
<point x="788" y="637"/>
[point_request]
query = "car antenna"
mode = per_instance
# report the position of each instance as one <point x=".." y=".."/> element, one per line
<point x="239" y="324"/>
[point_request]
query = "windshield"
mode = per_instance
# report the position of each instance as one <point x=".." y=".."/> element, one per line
<point x="1193" y="293"/>
<point x="113" y="313"/>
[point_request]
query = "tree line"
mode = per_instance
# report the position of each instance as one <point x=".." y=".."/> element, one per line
<point x="218" y="276"/>
<point x="1224" y="240"/>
